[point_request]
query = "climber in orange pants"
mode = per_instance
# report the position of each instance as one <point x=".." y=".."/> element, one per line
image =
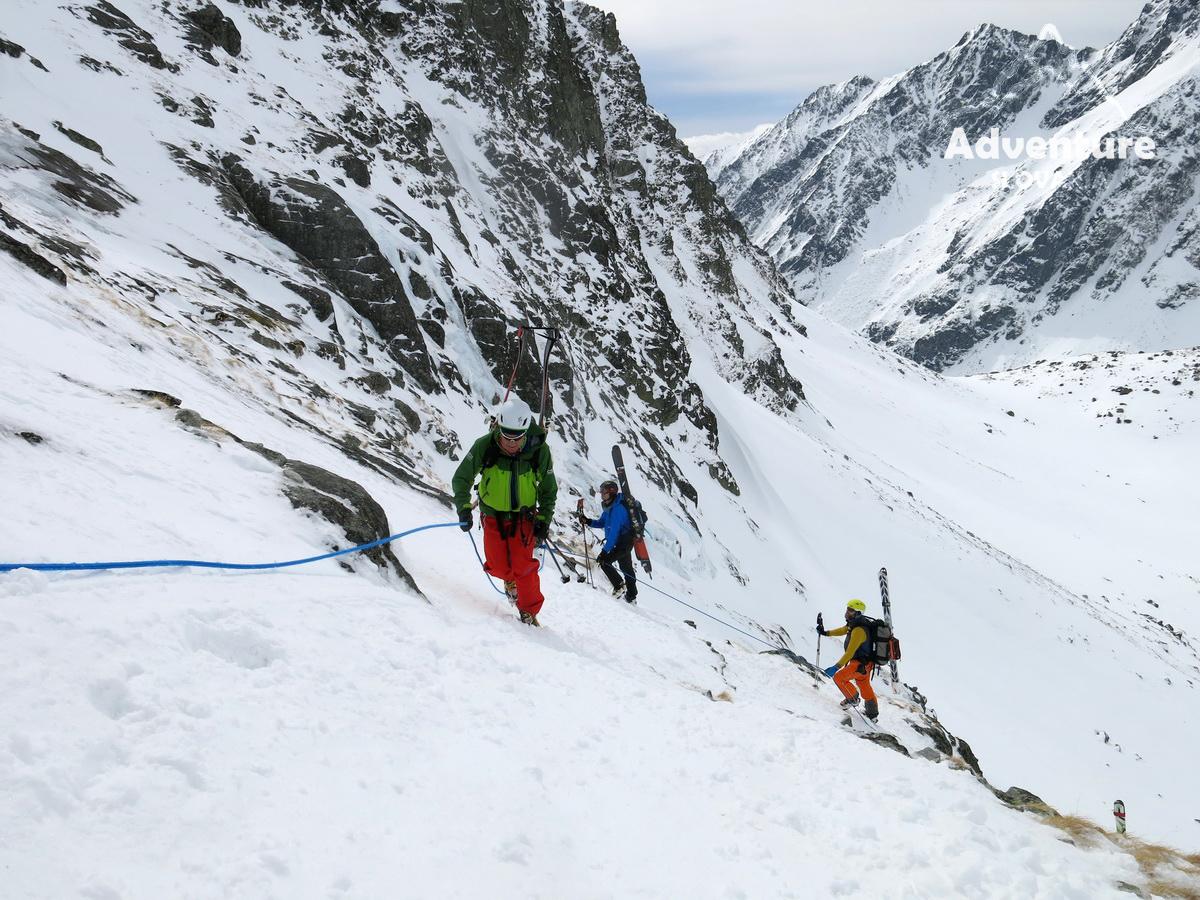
<point x="860" y="674"/>
<point x="854" y="669"/>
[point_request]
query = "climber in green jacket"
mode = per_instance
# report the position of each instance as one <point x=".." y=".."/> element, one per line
<point x="517" y="490"/>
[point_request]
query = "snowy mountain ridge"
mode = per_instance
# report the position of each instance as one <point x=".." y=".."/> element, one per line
<point x="267" y="323"/>
<point x="970" y="265"/>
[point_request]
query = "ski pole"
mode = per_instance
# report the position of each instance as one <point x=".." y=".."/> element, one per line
<point x="554" y="556"/>
<point x="821" y="625"/>
<point x="565" y="558"/>
<point x="587" y="556"/>
<point x="571" y="564"/>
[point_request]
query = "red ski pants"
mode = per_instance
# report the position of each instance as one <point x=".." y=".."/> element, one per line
<point x="508" y="547"/>
<point x="860" y="675"/>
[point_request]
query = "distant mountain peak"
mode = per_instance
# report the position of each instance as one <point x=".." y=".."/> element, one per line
<point x="860" y="209"/>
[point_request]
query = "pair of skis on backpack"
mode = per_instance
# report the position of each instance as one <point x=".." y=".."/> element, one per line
<point x="637" y="515"/>
<point x="885" y="649"/>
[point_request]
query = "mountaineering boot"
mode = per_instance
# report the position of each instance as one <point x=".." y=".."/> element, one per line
<point x="529" y="619"/>
<point x="871" y="709"/>
<point x="632" y="601"/>
<point x="619" y="591"/>
<point x="510" y="591"/>
<point x="850" y="701"/>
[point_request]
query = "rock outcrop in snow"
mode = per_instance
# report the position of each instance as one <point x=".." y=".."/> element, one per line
<point x="380" y="194"/>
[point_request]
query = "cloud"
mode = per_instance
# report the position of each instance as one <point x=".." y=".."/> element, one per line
<point x="718" y="51"/>
<point x="703" y="144"/>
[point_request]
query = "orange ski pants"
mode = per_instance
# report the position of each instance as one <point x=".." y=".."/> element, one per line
<point x="855" y="673"/>
<point x="508" y="548"/>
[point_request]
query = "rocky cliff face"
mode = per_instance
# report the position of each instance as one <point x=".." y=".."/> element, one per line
<point x="964" y="263"/>
<point x="362" y="200"/>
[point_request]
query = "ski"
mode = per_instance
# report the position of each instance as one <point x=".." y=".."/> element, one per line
<point x="885" y="597"/>
<point x="853" y="713"/>
<point x="639" y="537"/>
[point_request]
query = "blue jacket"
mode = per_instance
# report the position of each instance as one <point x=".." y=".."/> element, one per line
<point x="616" y="523"/>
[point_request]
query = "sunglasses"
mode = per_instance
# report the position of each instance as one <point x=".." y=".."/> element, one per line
<point x="512" y="437"/>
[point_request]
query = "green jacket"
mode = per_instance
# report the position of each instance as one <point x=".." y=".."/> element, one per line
<point x="508" y="483"/>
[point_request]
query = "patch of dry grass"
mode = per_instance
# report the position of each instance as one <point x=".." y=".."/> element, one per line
<point x="1168" y="872"/>
<point x="1080" y="830"/>
<point x="1173" y="889"/>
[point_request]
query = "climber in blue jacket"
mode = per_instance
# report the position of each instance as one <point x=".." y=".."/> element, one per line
<point x="618" y="541"/>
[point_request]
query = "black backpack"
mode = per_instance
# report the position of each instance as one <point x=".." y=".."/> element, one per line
<point x="886" y="645"/>
<point x="639" y="515"/>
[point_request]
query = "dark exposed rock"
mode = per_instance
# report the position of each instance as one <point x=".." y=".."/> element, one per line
<point x="31" y="437"/>
<point x="78" y="183"/>
<point x="948" y="344"/>
<point x="212" y="28"/>
<point x="795" y="659"/>
<point x="98" y="66"/>
<point x="1021" y="799"/>
<point x="968" y="756"/>
<point x="435" y="330"/>
<point x="12" y="49"/>
<point x="202" y="112"/>
<point x="883" y="739"/>
<point x="136" y="40"/>
<point x="23" y="253"/>
<point x="356" y="169"/>
<point x="317" y="224"/>
<point x="339" y="500"/>
<point x="80" y="139"/>
<point x="160" y="397"/>
<point x="319" y="301"/>
<point x="498" y="343"/>
<point x="376" y="383"/>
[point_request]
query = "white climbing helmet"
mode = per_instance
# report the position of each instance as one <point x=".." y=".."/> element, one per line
<point x="514" y="415"/>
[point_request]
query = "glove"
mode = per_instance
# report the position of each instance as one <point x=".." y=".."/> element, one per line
<point x="821" y="630"/>
<point x="830" y="671"/>
<point x="465" y="519"/>
<point x="541" y="530"/>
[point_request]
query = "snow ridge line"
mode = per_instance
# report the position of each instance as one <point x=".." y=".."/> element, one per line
<point x="203" y="564"/>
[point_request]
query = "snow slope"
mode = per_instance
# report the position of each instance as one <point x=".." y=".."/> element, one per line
<point x="1023" y="549"/>
<point x="315" y="735"/>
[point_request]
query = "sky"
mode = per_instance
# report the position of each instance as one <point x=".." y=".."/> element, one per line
<point x="728" y="65"/>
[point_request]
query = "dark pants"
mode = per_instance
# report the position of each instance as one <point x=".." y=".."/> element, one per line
<point x="622" y="555"/>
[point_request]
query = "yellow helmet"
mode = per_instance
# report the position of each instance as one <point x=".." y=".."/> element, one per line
<point x="857" y="605"/>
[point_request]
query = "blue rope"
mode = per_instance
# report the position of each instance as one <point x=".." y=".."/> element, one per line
<point x="202" y="564"/>
<point x="483" y="566"/>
